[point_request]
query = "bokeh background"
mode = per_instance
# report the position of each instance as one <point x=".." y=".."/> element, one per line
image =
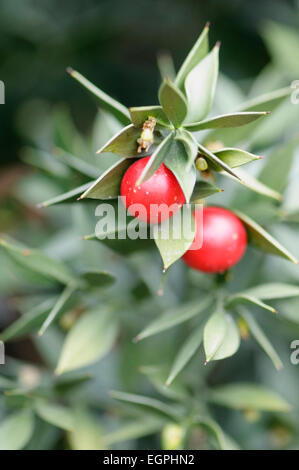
<point x="116" y="44"/>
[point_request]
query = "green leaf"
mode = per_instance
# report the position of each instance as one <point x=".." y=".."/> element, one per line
<point x="61" y="301"/>
<point x="190" y="146"/>
<point x="141" y="114"/>
<point x="70" y="196"/>
<point x="253" y="184"/>
<point x="200" y="85"/>
<point x="37" y="261"/>
<point x="146" y="403"/>
<point x="134" y="430"/>
<point x="58" y="415"/>
<point x="173" y="103"/>
<point x="216" y="160"/>
<point x="28" y="322"/>
<point x="156" y="159"/>
<point x="226" y="120"/>
<point x="174" y="236"/>
<point x="261" y="338"/>
<point x="177" y="160"/>
<point x="262" y="239"/>
<point x="107" y="186"/>
<point x="75" y="163"/>
<point x="89" y="340"/>
<point x="224" y="441"/>
<point x="196" y="54"/>
<point x="273" y="290"/>
<point x="86" y="434"/>
<point x="174" y="317"/>
<point x="244" y="298"/>
<point x="203" y="189"/>
<point x="275" y="172"/>
<point x="98" y="279"/>
<point x="108" y="103"/>
<point x="123" y="143"/>
<point x="16" y="430"/>
<point x="186" y="352"/>
<point x="268" y="102"/>
<point x="221" y="337"/>
<point x="233" y="158"/>
<point x="243" y="396"/>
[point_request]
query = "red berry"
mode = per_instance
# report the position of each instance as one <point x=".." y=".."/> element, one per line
<point x="161" y="188"/>
<point x="224" y="241"/>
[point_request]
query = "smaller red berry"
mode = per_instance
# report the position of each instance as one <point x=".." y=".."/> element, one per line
<point x="162" y="188"/>
<point x="224" y="241"/>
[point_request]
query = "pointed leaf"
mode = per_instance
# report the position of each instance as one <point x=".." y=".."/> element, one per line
<point x="203" y="189"/>
<point x="174" y="236"/>
<point x="190" y="146"/>
<point x="173" y="103"/>
<point x="261" y="339"/>
<point x="156" y="159"/>
<point x="174" y="317"/>
<point x="253" y="184"/>
<point x="177" y="161"/>
<point x="37" y="261"/>
<point x="267" y="102"/>
<point x="262" y="239"/>
<point x="200" y="85"/>
<point x="185" y="353"/>
<point x="142" y="113"/>
<point x="154" y="405"/>
<point x="274" y="290"/>
<point x="58" y="415"/>
<point x="108" y="103"/>
<point x="61" y="301"/>
<point x="88" y="341"/>
<point x="226" y="120"/>
<point x="221" y="337"/>
<point x="233" y="158"/>
<point x="28" y="322"/>
<point x="244" y="298"/>
<point x="124" y="143"/>
<point x="216" y="160"/>
<point x="107" y="186"/>
<point x="243" y="396"/>
<point x="16" y="430"/>
<point x="70" y="196"/>
<point x="196" y="54"/>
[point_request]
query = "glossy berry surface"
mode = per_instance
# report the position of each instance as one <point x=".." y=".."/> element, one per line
<point x="161" y="188"/>
<point x="224" y="241"/>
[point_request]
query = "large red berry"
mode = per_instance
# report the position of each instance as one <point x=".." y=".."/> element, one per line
<point x="224" y="241"/>
<point x="162" y="188"/>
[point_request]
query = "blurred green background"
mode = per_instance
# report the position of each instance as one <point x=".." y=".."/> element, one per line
<point x="115" y="44"/>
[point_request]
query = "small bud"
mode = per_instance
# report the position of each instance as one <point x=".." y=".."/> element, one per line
<point x="243" y="328"/>
<point x="172" y="437"/>
<point x="201" y="164"/>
